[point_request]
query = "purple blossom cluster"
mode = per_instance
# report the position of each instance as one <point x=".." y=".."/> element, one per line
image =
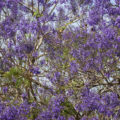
<point x="105" y="104"/>
<point x="15" y="112"/>
<point x="59" y="60"/>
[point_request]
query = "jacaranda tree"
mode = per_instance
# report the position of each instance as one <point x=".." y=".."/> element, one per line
<point x="59" y="60"/>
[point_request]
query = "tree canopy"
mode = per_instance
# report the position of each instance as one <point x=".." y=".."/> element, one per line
<point x="59" y="60"/>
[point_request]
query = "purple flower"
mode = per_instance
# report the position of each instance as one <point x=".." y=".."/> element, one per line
<point x="74" y="6"/>
<point x="71" y="118"/>
<point x="35" y="54"/>
<point x="84" y="118"/>
<point x="117" y="23"/>
<point x="28" y="48"/>
<point x="35" y="70"/>
<point x="70" y="92"/>
<point x="114" y="11"/>
<point x="24" y="95"/>
<point x="73" y="67"/>
<point x="42" y="62"/>
<point x="56" y="77"/>
<point x="61" y="118"/>
<point x="5" y="90"/>
<point x="94" y="118"/>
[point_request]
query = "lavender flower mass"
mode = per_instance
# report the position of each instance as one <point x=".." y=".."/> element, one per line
<point x="59" y="60"/>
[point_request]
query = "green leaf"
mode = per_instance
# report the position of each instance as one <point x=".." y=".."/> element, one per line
<point x="16" y="73"/>
<point x="28" y="35"/>
<point x="37" y="14"/>
<point x="8" y="75"/>
<point x="33" y="113"/>
<point x="68" y="108"/>
<point x="18" y="83"/>
<point x="26" y="83"/>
